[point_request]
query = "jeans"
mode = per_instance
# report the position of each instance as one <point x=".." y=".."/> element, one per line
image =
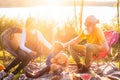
<point x="21" y="60"/>
<point x="49" y="57"/>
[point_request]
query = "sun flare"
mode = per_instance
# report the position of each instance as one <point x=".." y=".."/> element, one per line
<point x="53" y="10"/>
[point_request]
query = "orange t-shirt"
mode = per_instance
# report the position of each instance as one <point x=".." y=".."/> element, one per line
<point x="96" y="37"/>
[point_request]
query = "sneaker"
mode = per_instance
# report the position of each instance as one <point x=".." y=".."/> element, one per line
<point x="22" y="77"/>
<point x="79" y="65"/>
<point x="9" y="77"/>
<point x="2" y="74"/>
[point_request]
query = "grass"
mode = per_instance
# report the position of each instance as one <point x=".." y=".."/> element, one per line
<point x="118" y="64"/>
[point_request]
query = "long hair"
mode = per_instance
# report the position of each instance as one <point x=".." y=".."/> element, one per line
<point x="6" y="36"/>
<point x="30" y="22"/>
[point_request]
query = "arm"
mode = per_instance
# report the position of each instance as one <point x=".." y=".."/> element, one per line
<point x="67" y="63"/>
<point x="103" y="47"/>
<point x="22" y="42"/>
<point x="103" y="43"/>
<point x="43" y="40"/>
<point x="73" y="41"/>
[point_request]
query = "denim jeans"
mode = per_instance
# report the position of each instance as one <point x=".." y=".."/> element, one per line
<point x="49" y="57"/>
<point x="21" y="60"/>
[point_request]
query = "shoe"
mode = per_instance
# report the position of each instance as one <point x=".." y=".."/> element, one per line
<point x="22" y="77"/>
<point x="38" y="73"/>
<point x="9" y="77"/>
<point x="83" y="69"/>
<point x="58" y="71"/>
<point x="79" y="65"/>
<point x="2" y="74"/>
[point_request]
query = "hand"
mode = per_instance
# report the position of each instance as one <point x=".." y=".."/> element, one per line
<point x="33" y="54"/>
<point x="65" y="45"/>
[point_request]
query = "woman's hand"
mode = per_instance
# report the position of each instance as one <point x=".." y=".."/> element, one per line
<point x="33" y="54"/>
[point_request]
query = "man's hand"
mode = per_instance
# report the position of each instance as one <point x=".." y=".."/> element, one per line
<point x="33" y="54"/>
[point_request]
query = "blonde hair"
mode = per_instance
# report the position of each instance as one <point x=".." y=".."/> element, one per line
<point x="30" y="21"/>
<point x="58" y="45"/>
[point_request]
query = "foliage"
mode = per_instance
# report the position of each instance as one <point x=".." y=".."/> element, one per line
<point x="113" y="25"/>
<point x="46" y="28"/>
<point x="6" y="22"/>
<point x="65" y="32"/>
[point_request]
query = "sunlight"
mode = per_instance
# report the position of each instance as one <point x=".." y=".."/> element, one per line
<point x="44" y="29"/>
<point x="54" y="2"/>
<point x="57" y="13"/>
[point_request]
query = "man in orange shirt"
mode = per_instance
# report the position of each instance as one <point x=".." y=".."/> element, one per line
<point x="96" y="43"/>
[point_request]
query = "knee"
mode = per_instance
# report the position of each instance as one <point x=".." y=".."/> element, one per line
<point x="70" y="49"/>
<point x="89" y="47"/>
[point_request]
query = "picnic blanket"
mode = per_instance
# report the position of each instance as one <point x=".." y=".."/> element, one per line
<point x="106" y="71"/>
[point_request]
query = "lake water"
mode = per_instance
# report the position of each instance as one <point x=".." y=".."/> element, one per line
<point x="60" y="14"/>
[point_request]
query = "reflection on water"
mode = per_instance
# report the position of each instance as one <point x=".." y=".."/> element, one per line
<point x="60" y="14"/>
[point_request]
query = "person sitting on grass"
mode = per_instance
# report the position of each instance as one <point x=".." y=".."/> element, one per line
<point x="96" y="43"/>
<point x="55" y="62"/>
<point x="29" y="48"/>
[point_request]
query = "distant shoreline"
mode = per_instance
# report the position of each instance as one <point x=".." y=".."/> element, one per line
<point x="27" y="3"/>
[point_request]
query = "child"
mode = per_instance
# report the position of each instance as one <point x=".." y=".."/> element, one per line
<point x="51" y="59"/>
<point x="57" y="47"/>
<point x="59" y="63"/>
